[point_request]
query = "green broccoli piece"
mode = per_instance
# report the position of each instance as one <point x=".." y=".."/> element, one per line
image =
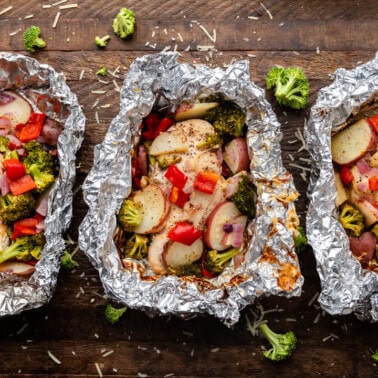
<point x="32" y="39"/>
<point x="211" y="141"/>
<point x="193" y="269"/>
<point x="113" y="314"/>
<point x="102" y="41"/>
<point x="67" y="262"/>
<point x="283" y="345"/>
<point x="227" y="119"/>
<point x="374" y="356"/>
<point x="130" y="215"/>
<point x="102" y="71"/>
<point x="352" y="220"/>
<point x="136" y="247"/>
<point x="165" y="161"/>
<point x="245" y="197"/>
<point x="43" y="179"/>
<point x="291" y="86"/>
<point x="24" y="248"/>
<point x="215" y="261"/>
<point x="4" y="149"/>
<point x="300" y="239"/>
<point x="123" y="24"/>
<point x="14" y="208"/>
<point x="37" y="155"/>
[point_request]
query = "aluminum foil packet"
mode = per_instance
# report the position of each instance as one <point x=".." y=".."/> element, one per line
<point x="270" y="266"/>
<point x="47" y="92"/>
<point x="346" y="287"/>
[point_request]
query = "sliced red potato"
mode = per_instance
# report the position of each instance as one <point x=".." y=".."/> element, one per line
<point x="364" y="246"/>
<point x="168" y="142"/>
<point x="177" y="254"/>
<point x="234" y="238"/>
<point x="215" y="233"/>
<point x="189" y="111"/>
<point x="155" y="253"/>
<point x="18" y="110"/>
<point x="353" y="142"/>
<point x="18" y="268"/>
<point x="155" y="209"/>
<point x="236" y="155"/>
<point x="341" y="194"/>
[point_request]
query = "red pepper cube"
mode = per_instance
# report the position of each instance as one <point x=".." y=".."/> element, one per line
<point x="184" y="232"/>
<point x="178" y="197"/>
<point x="206" y="182"/>
<point x="22" y="185"/>
<point x="32" y="130"/>
<point x="164" y="125"/>
<point x="346" y="175"/>
<point x="177" y="177"/>
<point x="373" y="183"/>
<point x="14" y="168"/>
<point x="373" y="121"/>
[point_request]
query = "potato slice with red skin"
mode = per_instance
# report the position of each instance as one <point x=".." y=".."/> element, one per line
<point x="236" y="155"/>
<point x="353" y="142"/>
<point x="155" y="209"/>
<point x="189" y="111"/>
<point x="177" y="254"/>
<point x="341" y="194"/>
<point x="155" y="253"/>
<point x="18" y="268"/>
<point x="18" y="110"/>
<point x="222" y="214"/>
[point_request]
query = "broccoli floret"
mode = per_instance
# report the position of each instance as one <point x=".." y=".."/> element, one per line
<point x="136" y="247"/>
<point x="102" y="71"/>
<point x="102" y="41"/>
<point x="352" y="220"/>
<point x="123" y="24"/>
<point x="14" y="208"/>
<point x="24" y="248"/>
<point x="113" y="314"/>
<point x="291" y="86"/>
<point x="130" y="215"/>
<point x="4" y="143"/>
<point x="245" y="197"/>
<point x="67" y="262"/>
<point x="37" y="155"/>
<point x="165" y="161"/>
<point x="211" y="141"/>
<point x="43" y="179"/>
<point x="32" y="39"/>
<point x="374" y="356"/>
<point x="283" y="345"/>
<point x="300" y="239"/>
<point x="227" y="119"/>
<point x="215" y="261"/>
<point x="193" y="269"/>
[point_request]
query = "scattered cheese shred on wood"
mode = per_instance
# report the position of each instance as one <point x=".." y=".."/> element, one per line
<point x="46" y="6"/>
<point x="68" y="6"/>
<point x="98" y="92"/>
<point x="54" y="358"/>
<point x="28" y="16"/>
<point x="56" y="20"/>
<point x="14" y="32"/>
<point x="6" y="10"/>
<point x="59" y="2"/>
<point x="99" y="372"/>
<point x="267" y="11"/>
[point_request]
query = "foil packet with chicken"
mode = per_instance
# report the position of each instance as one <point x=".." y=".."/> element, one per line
<point x="41" y="127"/>
<point x="342" y="223"/>
<point x="202" y="217"/>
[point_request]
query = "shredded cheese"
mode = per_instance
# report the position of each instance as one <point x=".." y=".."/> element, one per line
<point x="59" y="2"/>
<point x="98" y="92"/>
<point x="56" y="20"/>
<point x="53" y="358"/>
<point x="99" y="372"/>
<point x="14" y="32"/>
<point x="68" y="6"/>
<point x="267" y="11"/>
<point x="81" y="74"/>
<point x="6" y="10"/>
<point x="28" y="16"/>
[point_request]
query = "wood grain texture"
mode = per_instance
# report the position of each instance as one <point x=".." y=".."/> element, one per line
<point x="345" y="33"/>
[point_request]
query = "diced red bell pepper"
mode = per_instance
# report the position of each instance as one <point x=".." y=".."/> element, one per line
<point x="346" y="175"/>
<point x="14" y="168"/>
<point x="373" y="121"/>
<point x="178" y="197"/>
<point x="22" y="185"/>
<point x="24" y="227"/>
<point x="164" y="125"/>
<point x="184" y="232"/>
<point x="32" y="130"/>
<point x="206" y="182"/>
<point x="177" y="177"/>
<point x="373" y="183"/>
<point x="151" y="123"/>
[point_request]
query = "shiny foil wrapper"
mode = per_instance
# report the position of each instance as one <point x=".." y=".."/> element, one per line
<point x="270" y="266"/>
<point x="346" y="287"/>
<point x="47" y="92"/>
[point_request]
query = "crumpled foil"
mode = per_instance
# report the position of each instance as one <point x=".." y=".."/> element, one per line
<point x="48" y="92"/>
<point x="346" y="287"/>
<point x="270" y="261"/>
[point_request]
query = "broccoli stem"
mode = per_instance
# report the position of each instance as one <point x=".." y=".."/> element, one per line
<point x="286" y="90"/>
<point x="39" y="42"/>
<point x="271" y="336"/>
<point x="9" y="253"/>
<point x="223" y="257"/>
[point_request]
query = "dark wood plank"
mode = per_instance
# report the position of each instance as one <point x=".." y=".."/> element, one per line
<point x="301" y="35"/>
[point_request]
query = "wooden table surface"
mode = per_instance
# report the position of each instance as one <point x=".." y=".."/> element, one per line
<point x="317" y="35"/>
